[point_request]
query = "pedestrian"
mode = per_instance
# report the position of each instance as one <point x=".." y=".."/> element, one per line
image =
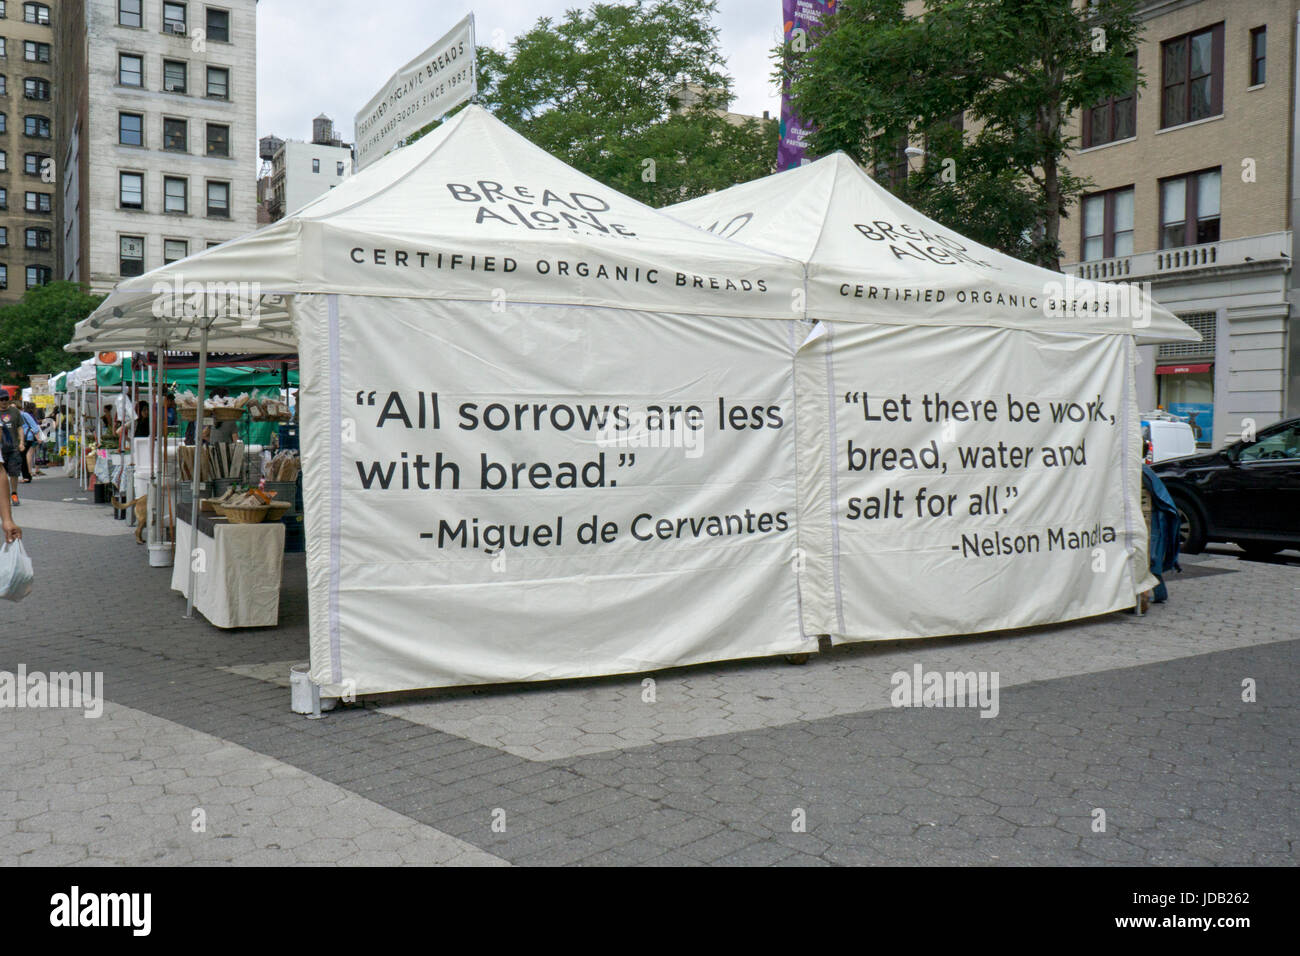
<point x="12" y="445"/>
<point x="11" y="531"/>
<point x="34" y="437"/>
<point x="142" y="419"/>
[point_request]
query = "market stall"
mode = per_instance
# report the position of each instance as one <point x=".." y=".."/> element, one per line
<point x="241" y="569"/>
<point x="405" y="280"/>
<point x="972" y="419"/>
<point x="550" y="432"/>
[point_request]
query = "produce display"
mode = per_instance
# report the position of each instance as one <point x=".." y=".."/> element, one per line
<point x="247" y="507"/>
<point x="283" y="467"/>
<point x="268" y="408"/>
<point x="215" y="461"/>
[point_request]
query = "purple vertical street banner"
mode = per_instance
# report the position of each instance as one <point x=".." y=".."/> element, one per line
<point x="804" y="16"/>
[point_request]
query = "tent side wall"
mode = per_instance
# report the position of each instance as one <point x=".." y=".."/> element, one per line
<point x="434" y="433"/>
<point x="976" y="479"/>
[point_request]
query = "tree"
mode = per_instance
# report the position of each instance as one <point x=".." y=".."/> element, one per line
<point x="632" y="95"/>
<point x="34" y="329"/>
<point x="875" y="78"/>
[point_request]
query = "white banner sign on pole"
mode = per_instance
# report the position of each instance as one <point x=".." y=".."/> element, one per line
<point x="426" y="89"/>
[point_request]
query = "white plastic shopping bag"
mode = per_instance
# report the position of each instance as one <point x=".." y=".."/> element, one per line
<point x="15" y="571"/>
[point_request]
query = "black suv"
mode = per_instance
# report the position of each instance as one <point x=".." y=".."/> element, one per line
<point x="1248" y="493"/>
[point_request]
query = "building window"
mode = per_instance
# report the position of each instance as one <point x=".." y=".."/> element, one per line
<point x="218" y="82"/>
<point x="131" y="190"/>
<point x="38" y="275"/>
<point x="4" y="123"/>
<point x="1258" y="43"/>
<point x="175" y="194"/>
<point x="4" y="85"/>
<point x="213" y="245"/>
<point x="130" y="129"/>
<point x="36" y="13"/>
<point x="218" y="25"/>
<point x="890" y="169"/>
<point x="36" y="52"/>
<point x="218" y="140"/>
<point x="4" y="198"/>
<point x="34" y="88"/>
<point x="219" y="200"/>
<point x="1108" y="224"/>
<point x="4" y="161"/>
<point x="1189" y="209"/>
<point x="32" y="163"/>
<point x="3" y="52"/>
<point x="340" y="168"/>
<point x="37" y="202"/>
<point x="174" y="18"/>
<point x="174" y="76"/>
<point x="4" y="276"/>
<point x="131" y="256"/>
<point x="1193" y="76"/>
<point x="36" y="238"/>
<point x="34" y="126"/>
<point x="174" y="249"/>
<point x="1112" y="119"/>
<point x="130" y="69"/>
<point x="315" y="165"/>
<point x="128" y="13"/>
<point x="176" y="135"/>
<point x="4" y="236"/>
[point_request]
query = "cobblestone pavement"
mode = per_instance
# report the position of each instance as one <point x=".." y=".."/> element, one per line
<point x="754" y="762"/>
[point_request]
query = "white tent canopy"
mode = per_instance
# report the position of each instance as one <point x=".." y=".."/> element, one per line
<point x="83" y="374"/>
<point x="968" y="422"/>
<point x="470" y="212"/>
<point x="873" y="258"/>
<point x="548" y="431"/>
<point x="466" y="275"/>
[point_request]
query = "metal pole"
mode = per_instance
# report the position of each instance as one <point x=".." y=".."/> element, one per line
<point x="81" y="434"/>
<point x="194" y="477"/>
<point x="159" y="470"/>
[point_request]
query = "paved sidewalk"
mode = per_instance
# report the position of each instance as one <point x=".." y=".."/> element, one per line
<point x="748" y="762"/>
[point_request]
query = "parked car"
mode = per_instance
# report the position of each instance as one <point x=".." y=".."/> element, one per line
<point x="1164" y="438"/>
<point x="1247" y="493"/>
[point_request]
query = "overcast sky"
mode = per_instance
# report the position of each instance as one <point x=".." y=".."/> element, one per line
<point x="331" y="56"/>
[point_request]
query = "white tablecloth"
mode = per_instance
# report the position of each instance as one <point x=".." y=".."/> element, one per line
<point x="238" y="582"/>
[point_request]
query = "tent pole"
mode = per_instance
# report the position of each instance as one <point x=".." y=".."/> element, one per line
<point x="149" y="396"/>
<point x="81" y="435"/>
<point x="160" y="427"/>
<point x="194" y="471"/>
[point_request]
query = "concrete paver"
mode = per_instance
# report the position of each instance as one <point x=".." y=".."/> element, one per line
<point x="748" y="763"/>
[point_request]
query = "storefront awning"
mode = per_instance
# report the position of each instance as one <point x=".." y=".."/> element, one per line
<point x="1183" y="369"/>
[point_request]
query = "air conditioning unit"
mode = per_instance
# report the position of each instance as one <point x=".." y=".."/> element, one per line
<point x="177" y="28"/>
<point x="174" y="87"/>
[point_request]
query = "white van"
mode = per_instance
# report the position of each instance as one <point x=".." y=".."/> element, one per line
<point x="1166" y="437"/>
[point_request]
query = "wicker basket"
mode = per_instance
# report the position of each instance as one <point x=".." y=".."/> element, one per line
<point x="225" y="414"/>
<point x="245" y="515"/>
<point x="187" y="413"/>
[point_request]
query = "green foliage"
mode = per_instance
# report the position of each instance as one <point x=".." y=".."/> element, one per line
<point x="1016" y="69"/>
<point x="610" y="88"/>
<point x="34" y="329"/>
